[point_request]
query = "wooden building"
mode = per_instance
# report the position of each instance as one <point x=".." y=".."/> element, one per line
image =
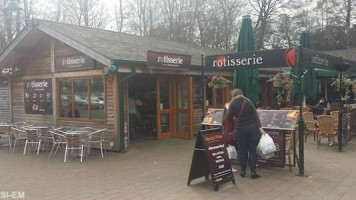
<point x="63" y="81"/>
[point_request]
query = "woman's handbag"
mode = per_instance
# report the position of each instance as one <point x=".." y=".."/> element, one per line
<point x="266" y="147"/>
<point x="231" y="136"/>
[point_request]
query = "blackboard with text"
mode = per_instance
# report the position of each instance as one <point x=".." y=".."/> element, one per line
<point x="210" y="157"/>
<point x="38" y="96"/>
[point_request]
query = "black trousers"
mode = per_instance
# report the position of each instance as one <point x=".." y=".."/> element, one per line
<point x="248" y="138"/>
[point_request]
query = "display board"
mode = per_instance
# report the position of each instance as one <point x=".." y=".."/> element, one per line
<point x="278" y="160"/>
<point x="213" y="116"/>
<point x="349" y="124"/>
<point x="210" y="157"/>
<point x="38" y="96"/>
<point x="278" y="119"/>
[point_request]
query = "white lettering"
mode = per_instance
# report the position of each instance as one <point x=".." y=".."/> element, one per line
<point x="42" y="84"/>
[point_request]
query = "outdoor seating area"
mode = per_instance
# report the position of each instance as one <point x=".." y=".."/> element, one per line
<point x="75" y="141"/>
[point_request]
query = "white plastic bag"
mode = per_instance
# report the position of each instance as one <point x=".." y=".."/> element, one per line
<point x="266" y="147"/>
<point x="231" y="151"/>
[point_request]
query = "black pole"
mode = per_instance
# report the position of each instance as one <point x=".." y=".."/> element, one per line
<point x="339" y="136"/>
<point x="202" y="88"/>
<point x="301" y="124"/>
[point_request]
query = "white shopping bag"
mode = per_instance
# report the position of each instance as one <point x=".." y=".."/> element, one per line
<point x="266" y="147"/>
<point x="231" y="151"/>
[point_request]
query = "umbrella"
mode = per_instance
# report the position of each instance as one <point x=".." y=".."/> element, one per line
<point x="247" y="79"/>
<point x="309" y="86"/>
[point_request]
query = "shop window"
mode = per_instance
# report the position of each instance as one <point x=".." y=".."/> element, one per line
<point x="82" y="98"/>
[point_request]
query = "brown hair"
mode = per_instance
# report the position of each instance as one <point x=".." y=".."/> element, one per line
<point x="236" y="92"/>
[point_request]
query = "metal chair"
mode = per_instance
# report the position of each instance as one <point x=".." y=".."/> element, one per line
<point x="57" y="139"/>
<point x="5" y="132"/>
<point x="32" y="138"/>
<point x="97" y="137"/>
<point x="18" y="134"/>
<point x="73" y="142"/>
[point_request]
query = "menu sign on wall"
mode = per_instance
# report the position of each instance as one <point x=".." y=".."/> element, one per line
<point x="210" y="157"/>
<point x="278" y="160"/>
<point x="38" y="96"/>
<point x="74" y="63"/>
<point x="159" y="59"/>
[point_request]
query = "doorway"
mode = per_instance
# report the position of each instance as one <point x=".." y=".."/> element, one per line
<point x="142" y="108"/>
<point x="174" y="107"/>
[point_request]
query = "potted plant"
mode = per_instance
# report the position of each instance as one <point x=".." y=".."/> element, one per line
<point x="283" y="85"/>
<point x="218" y="82"/>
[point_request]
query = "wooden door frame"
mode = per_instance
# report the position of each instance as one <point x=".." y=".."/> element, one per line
<point x="172" y="111"/>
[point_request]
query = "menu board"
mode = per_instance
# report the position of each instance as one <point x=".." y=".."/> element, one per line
<point x="213" y="116"/>
<point x="349" y="124"/>
<point x="210" y="157"/>
<point x="38" y="96"/>
<point x="219" y="162"/>
<point x="278" y="119"/>
<point x="278" y="160"/>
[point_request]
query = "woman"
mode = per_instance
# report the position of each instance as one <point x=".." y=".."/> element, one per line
<point x="243" y="114"/>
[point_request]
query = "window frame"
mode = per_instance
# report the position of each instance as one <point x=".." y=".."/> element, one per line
<point x="89" y="118"/>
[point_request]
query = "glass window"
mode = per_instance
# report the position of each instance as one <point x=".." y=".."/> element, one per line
<point x="164" y="90"/>
<point x="97" y="98"/>
<point x="182" y="95"/>
<point x="219" y="96"/>
<point x="88" y="96"/>
<point x="80" y="98"/>
<point x="65" y="87"/>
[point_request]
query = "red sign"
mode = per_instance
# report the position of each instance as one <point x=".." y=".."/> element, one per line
<point x="158" y="59"/>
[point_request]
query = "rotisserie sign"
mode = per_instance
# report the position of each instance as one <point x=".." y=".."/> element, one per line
<point x="38" y="96"/>
<point x="74" y="63"/>
<point x="159" y="59"/>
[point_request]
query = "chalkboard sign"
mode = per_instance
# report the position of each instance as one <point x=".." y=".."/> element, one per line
<point x="210" y="157"/>
<point x="213" y="116"/>
<point x="38" y="96"/>
<point x="278" y="119"/>
<point x="349" y="124"/>
<point x="279" y="158"/>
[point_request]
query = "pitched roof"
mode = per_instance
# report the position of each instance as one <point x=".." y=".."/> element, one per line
<point x="114" y="45"/>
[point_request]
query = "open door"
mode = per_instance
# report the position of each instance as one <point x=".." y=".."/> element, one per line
<point x="174" y="103"/>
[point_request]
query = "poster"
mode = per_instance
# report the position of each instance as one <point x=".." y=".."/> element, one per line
<point x="38" y="96"/>
<point x="213" y="116"/>
<point x="278" y="160"/>
<point x="278" y="119"/>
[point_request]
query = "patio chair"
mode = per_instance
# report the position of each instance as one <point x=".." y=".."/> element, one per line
<point x="310" y="127"/>
<point x="325" y="128"/>
<point x="5" y="132"/>
<point x="73" y="142"/>
<point x="97" y="137"/>
<point x="32" y="138"/>
<point x="18" y="134"/>
<point x="57" y="139"/>
<point x="308" y="116"/>
<point x="291" y="143"/>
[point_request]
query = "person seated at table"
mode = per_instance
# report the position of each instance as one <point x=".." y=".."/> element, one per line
<point x="322" y="103"/>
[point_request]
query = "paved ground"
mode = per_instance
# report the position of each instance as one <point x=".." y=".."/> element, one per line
<point x="159" y="170"/>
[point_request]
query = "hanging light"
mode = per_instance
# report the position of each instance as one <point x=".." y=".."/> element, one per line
<point x="12" y="5"/>
<point x="112" y="69"/>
